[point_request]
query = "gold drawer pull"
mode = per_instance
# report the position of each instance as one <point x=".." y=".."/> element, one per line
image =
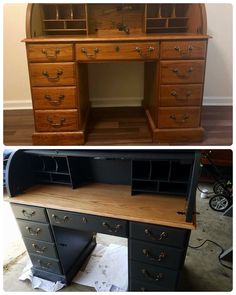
<point x="56" y="125"/>
<point x="95" y="51"/>
<point x="153" y="277"/>
<point x="28" y="214"/>
<point x="110" y="228"/>
<point x="150" y="49"/>
<point x="44" y="264"/>
<point x="177" y="97"/>
<point x="183" y="120"/>
<point x="38" y="249"/>
<point x="184" y="52"/>
<point x="60" y="220"/>
<point x="162" y="236"/>
<point x="33" y="232"/>
<point x="51" y="101"/>
<point x="53" y="55"/>
<point x="139" y="50"/>
<point x="159" y="258"/>
<point x="59" y="72"/>
<point x="183" y="75"/>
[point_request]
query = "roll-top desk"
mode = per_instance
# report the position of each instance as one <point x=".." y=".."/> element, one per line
<point x="170" y="39"/>
<point x="62" y="198"/>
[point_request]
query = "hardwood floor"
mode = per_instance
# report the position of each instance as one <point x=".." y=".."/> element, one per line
<point x="121" y="126"/>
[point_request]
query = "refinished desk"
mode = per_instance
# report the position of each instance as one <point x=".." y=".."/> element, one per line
<point x="59" y="224"/>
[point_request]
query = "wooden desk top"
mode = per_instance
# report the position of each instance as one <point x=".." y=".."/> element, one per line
<point x="109" y="200"/>
<point x="117" y="38"/>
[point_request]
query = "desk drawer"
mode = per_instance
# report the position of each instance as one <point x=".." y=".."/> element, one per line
<point x="56" y="120"/>
<point x="153" y="275"/>
<point x="183" y="49"/>
<point x="54" y="98"/>
<point x="182" y="71"/>
<point x="51" y="265"/>
<point x="41" y="248"/>
<point x="158" y="234"/>
<point x="179" y="117"/>
<point x="34" y="230"/>
<point x="87" y="222"/>
<point x="140" y="286"/>
<point x="50" y="52"/>
<point x="29" y="213"/>
<point x="156" y="254"/>
<point x="180" y="95"/>
<point x="49" y="74"/>
<point x="117" y="51"/>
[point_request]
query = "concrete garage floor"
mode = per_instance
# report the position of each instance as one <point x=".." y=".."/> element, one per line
<point x="202" y="271"/>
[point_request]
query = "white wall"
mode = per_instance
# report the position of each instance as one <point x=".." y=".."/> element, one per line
<point x="128" y="87"/>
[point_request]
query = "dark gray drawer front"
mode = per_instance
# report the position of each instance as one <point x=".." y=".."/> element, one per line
<point x="87" y="222"/>
<point x="139" y="286"/>
<point x="156" y="254"/>
<point x="41" y="248"/>
<point x="153" y="275"/>
<point x="29" y="213"/>
<point x="52" y="265"/>
<point x="158" y="234"/>
<point x="37" y="231"/>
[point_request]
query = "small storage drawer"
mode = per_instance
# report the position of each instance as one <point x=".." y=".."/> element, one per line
<point x="140" y="286"/>
<point x="54" y="98"/>
<point x="29" y="212"/>
<point x="155" y="254"/>
<point x="87" y="222"/>
<point x="51" y="265"/>
<point x="158" y="234"/>
<point x="182" y="72"/>
<point x="117" y="51"/>
<point x="59" y="120"/>
<point x="153" y="275"/>
<point x="179" y="117"/>
<point x="34" y="230"/>
<point x="183" y="49"/>
<point x="49" y="74"/>
<point x="50" y="52"/>
<point x="180" y="95"/>
<point x="41" y="248"/>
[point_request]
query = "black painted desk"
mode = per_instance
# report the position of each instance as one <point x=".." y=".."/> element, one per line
<point x="59" y="224"/>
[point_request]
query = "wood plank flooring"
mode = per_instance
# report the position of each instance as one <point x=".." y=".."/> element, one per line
<point x="121" y="126"/>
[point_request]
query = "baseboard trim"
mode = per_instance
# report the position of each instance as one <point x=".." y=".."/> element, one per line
<point x="119" y="102"/>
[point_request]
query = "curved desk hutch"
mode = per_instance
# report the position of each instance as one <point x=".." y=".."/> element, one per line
<point x="170" y="39"/>
<point x="62" y="198"/>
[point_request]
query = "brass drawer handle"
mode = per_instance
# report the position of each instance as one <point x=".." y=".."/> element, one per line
<point x="44" y="264"/>
<point x="154" y="277"/>
<point x="60" y="220"/>
<point x="139" y="50"/>
<point x="159" y="258"/>
<point x="28" y="214"/>
<point x="38" y="249"/>
<point x="177" y="97"/>
<point x="183" y="75"/>
<point x="150" y="49"/>
<point x="110" y="228"/>
<point x="184" y="51"/>
<point x="33" y="232"/>
<point x="49" y="55"/>
<point x="183" y="120"/>
<point x="162" y="236"/>
<point x="51" y="101"/>
<point x="56" y="125"/>
<point x="95" y="51"/>
<point x="59" y="72"/>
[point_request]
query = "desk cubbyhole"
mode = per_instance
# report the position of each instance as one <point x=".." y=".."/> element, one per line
<point x="181" y="10"/>
<point x="141" y="170"/>
<point x="180" y="171"/>
<point x="80" y="25"/>
<point x="147" y="186"/>
<point x="50" y="11"/>
<point x="79" y="11"/>
<point x="61" y="165"/>
<point x="43" y="177"/>
<point x="173" y="188"/>
<point x="167" y="10"/>
<point x="153" y="10"/>
<point x="60" y="178"/>
<point x="178" y="22"/>
<point x="160" y="170"/>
